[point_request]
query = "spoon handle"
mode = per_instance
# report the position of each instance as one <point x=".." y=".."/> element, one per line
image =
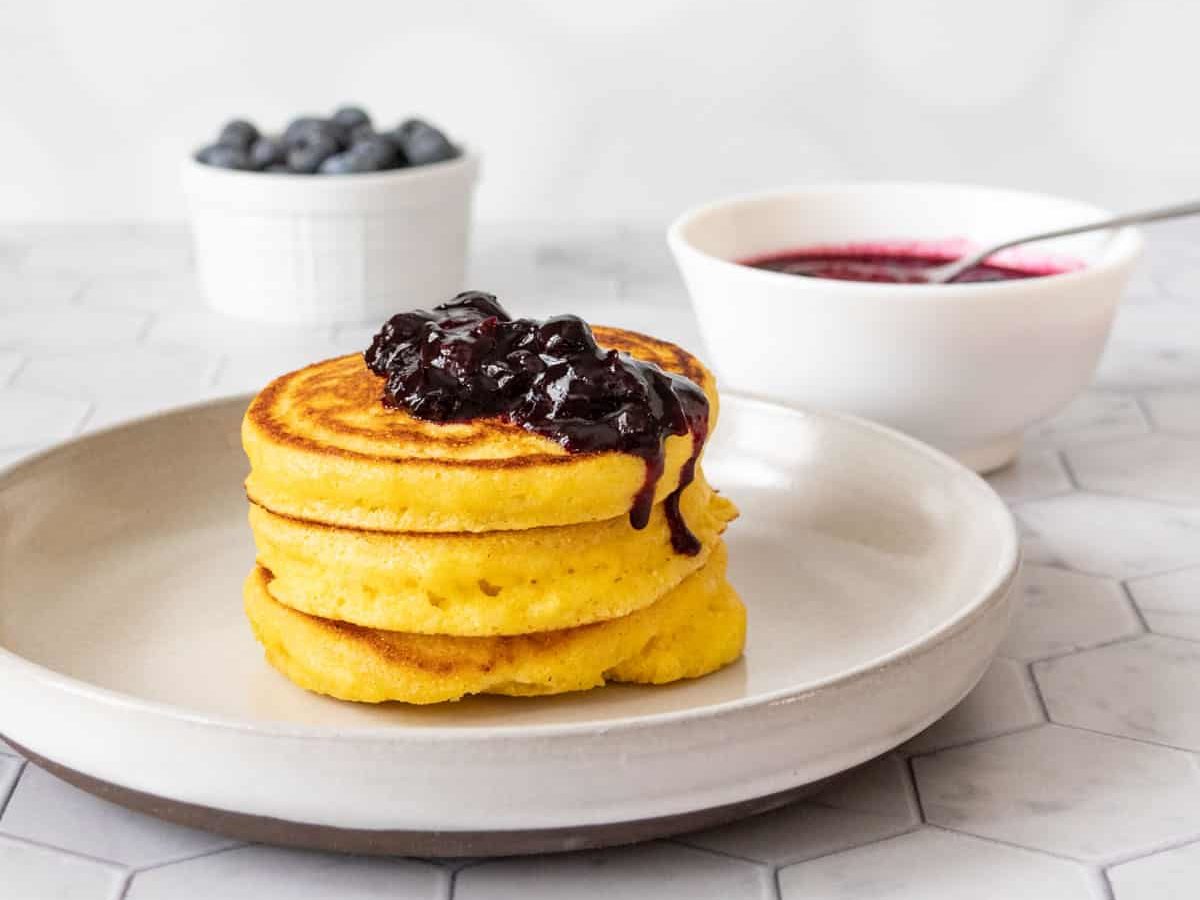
<point x="1137" y="218"/>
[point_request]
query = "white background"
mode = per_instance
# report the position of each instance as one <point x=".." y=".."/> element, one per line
<point x="620" y="109"/>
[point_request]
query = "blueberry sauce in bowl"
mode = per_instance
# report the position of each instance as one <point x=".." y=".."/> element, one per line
<point x="904" y="263"/>
<point x="468" y="358"/>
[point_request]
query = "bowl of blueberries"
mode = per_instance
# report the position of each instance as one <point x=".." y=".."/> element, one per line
<point x="332" y="220"/>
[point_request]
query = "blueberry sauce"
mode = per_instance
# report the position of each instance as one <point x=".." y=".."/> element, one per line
<point x="469" y="358"/>
<point x="872" y="263"/>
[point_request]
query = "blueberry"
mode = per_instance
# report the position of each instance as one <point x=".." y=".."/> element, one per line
<point x="266" y="152"/>
<point x="372" y="155"/>
<point x="339" y="164"/>
<point x="422" y="143"/>
<point x="223" y="156"/>
<point x="565" y="334"/>
<point x="363" y="132"/>
<point x="300" y="128"/>
<point x="280" y="168"/>
<point x="307" y="156"/>
<point x="351" y="117"/>
<point x="303" y="130"/>
<point x="378" y="152"/>
<point x="238" y="133"/>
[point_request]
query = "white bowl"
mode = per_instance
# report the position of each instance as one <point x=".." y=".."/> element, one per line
<point x="325" y="249"/>
<point x="964" y="367"/>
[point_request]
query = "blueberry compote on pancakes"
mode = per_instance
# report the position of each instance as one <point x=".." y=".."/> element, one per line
<point x="469" y="358"/>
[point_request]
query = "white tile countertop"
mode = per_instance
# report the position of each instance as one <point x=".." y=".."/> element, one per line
<point x="1071" y="772"/>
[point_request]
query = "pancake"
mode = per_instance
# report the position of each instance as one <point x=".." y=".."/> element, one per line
<point x="483" y="583"/>
<point x="691" y="631"/>
<point x="324" y="448"/>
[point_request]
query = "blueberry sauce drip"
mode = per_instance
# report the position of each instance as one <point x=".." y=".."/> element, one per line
<point x="469" y="358"/>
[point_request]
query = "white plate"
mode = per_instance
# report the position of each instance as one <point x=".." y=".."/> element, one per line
<point x="878" y="576"/>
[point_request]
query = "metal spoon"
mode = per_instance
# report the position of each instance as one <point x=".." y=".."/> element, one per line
<point x="946" y="273"/>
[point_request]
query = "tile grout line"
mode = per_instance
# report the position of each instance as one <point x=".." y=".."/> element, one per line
<point x="1037" y="692"/>
<point x="22" y="763"/>
<point x="1094" y="865"/>
<point x="240" y="845"/>
<point x="852" y="848"/>
<point x="774" y="882"/>
<point x="1020" y="729"/>
<point x="143" y="334"/>
<point x="1082" y="648"/>
<point x="1164" y="847"/>
<point x="24" y="359"/>
<point x="1137" y="610"/>
<point x="1092" y="573"/>
<point x="1072" y="478"/>
<point x="53" y="848"/>
<point x="681" y="841"/>
<point x="918" y="804"/>
<point x="1143" y="407"/>
<point x="1145" y="742"/>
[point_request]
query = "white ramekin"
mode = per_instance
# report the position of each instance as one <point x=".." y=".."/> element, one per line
<point x="330" y="249"/>
<point x="963" y="367"/>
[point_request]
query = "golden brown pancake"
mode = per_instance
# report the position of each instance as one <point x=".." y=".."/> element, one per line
<point x="692" y="630"/>
<point x="483" y="583"/>
<point x="324" y="448"/>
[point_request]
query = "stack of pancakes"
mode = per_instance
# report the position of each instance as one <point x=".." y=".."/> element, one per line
<point x="401" y="559"/>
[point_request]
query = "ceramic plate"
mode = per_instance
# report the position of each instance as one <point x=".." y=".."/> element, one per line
<point x="878" y="576"/>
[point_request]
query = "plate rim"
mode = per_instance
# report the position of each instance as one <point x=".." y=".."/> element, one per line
<point x="996" y="589"/>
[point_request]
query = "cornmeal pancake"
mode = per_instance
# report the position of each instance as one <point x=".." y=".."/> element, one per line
<point x="324" y="448"/>
<point x="483" y="583"/>
<point x="692" y="630"/>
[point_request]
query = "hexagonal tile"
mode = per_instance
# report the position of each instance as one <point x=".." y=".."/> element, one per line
<point x="10" y="768"/>
<point x="1153" y="345"/>
<point x="1035" y="473"/>
<point x="206" y="329"/>
<point x="1115" y="536"/>
<point x="930" y="863"/>
<point x="1170" y="602"/>
<point x="38" y="290"/>
<point x="10" y="361"/>
<point x="39" y="873"/>
<point x="1153" y="467"/>
<point x="1064" y="611"/>
<point x="136" y="290"/>
<point x="44" y="329"/>
<point x="31" y="417"/>
<point x="52" y="812"/>
<point x="870" y="803"/>
<point x="1075" y="793"/>
<point x="251" y="873"/>
<point x="116" y="410"/>
<point x="882" y="786"/>
<point x="1092" y="416"/>
<point x="249" y="371"/>
<point x="1177" y="412"/>
<point x="1003" y="701"/>
<point x="661" y="870"/>
<point x="106" y="248"/>
<point x="1170" y="874"/>
<point x="1143" y="689"/>
<point x="165" y="373"/>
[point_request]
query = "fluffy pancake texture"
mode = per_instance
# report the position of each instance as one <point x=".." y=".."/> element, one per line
<point x="323" y="448"/>
<point x="693" y="629"/>
<point x="483" y="583"/>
